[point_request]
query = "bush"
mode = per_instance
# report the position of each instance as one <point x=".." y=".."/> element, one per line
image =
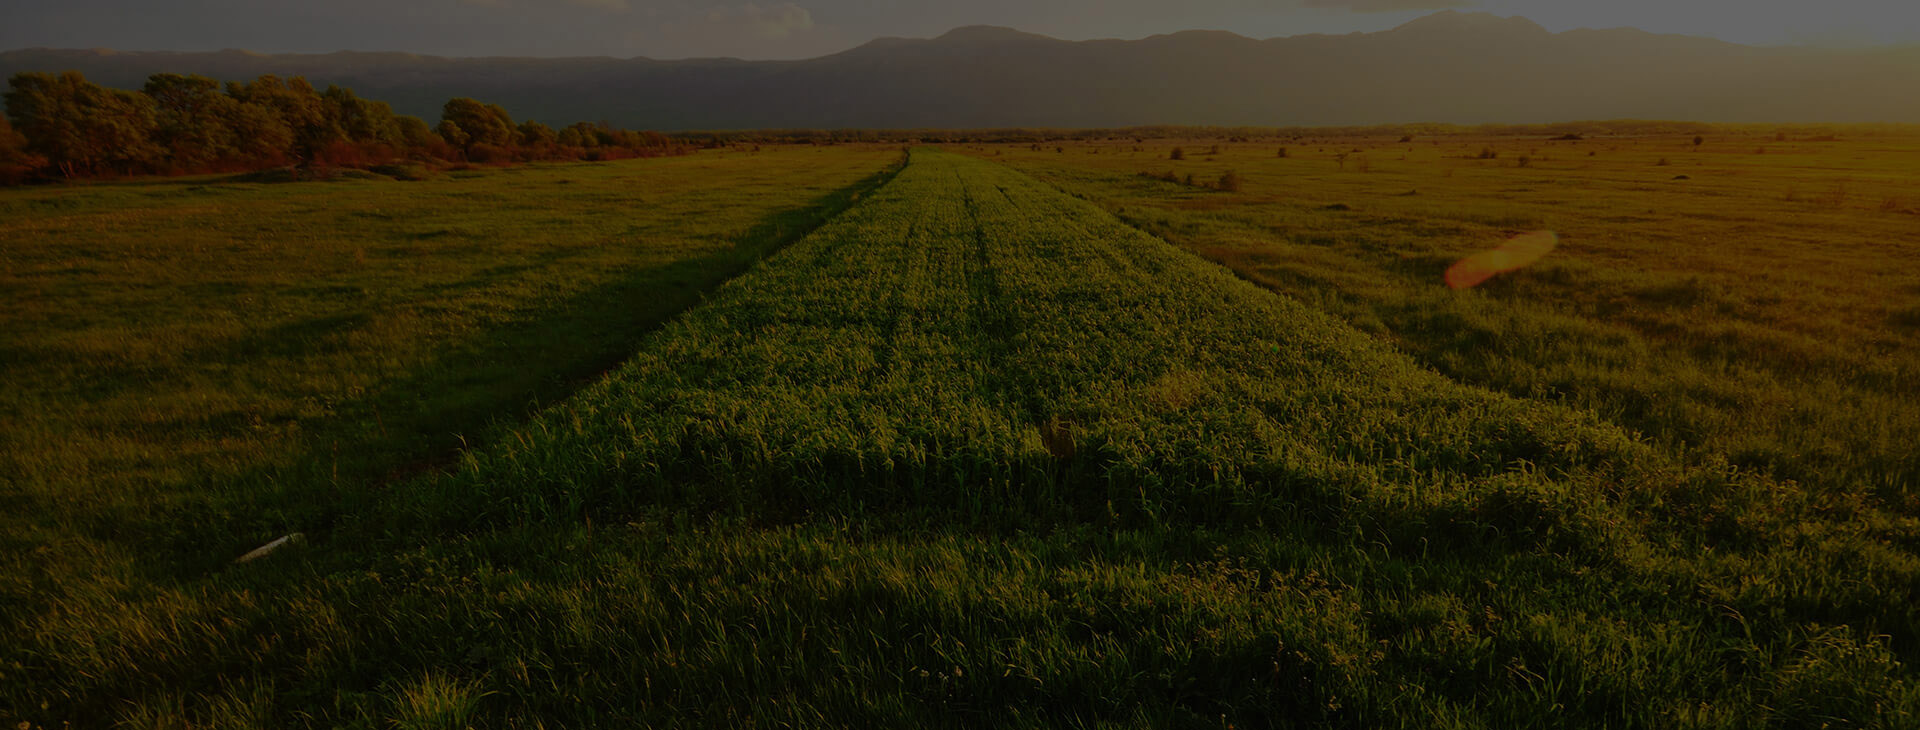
<point x="487" y="154"/>
<point x="1229" y="182"/>
<point x="1177" y="154"/>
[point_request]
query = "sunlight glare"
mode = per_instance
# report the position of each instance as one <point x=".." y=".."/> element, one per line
<point x="1518" y="252"/>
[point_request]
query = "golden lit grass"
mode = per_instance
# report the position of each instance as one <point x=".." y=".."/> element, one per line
<point x="1749" y="299"/>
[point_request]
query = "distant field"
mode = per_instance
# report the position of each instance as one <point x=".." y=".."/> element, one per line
<point x="976" y="451"/>
<point x="1748" y="300"/>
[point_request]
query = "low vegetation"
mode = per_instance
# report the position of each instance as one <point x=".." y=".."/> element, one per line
<point x="974" y="452"/>
<point x="1747" y="311"/>
<point x="186" y="383"/>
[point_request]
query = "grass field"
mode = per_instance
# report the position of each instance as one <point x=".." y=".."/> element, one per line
<point x="1749" y="299"/>
<point x="976" y="451"/>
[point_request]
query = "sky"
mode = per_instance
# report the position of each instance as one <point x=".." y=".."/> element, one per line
<point x="774" y="29"/>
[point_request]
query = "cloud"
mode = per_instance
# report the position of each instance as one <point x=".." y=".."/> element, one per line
<point x="774" y="21"/>
<point x="1387" y="6"/>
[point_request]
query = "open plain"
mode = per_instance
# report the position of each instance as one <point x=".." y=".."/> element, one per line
<point x="1067" y="434"/>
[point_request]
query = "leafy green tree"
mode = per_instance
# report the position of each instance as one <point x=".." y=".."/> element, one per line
<point x="13" y="145"/>
<point x="194" y="121"/>
<point x="80" y="126"/>
<point x="15" y="161"/>
<point x="261" y="137"/>
<point x="588" y="134"/>
<point x="486" y="124"/>
<point x="535" y="134"/>
<point x="414" y="132"/>
<point x="453" y="134"/>
<point x="361" y="120"/>
<point x="299" y="106"/>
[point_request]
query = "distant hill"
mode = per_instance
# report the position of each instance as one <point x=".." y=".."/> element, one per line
<point x="1446" y="67"/>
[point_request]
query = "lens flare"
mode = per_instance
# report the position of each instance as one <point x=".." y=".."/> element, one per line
<point x="1517" y="253"/>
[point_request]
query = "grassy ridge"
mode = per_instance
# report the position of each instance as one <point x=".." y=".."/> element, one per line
<point x="977" y="453"/>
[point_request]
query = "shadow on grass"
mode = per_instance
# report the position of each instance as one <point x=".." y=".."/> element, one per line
<point x="421" y="423"/>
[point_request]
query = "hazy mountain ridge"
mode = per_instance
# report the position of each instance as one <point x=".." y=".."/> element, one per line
<point x="1445" y="67"/>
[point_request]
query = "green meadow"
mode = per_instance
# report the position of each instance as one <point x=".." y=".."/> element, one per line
<point x="983" y="436"/>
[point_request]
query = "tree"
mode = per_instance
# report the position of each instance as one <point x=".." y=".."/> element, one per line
<point x="80" y="126"/>
<point x="260" y="137"/>
<point x="453" y="134"/>
<point x="580" y="134"/>
<point x="486" y="124"/>
<point x="193" y="119"/>
<point x="300" y="107"/>
<point x="15" y="161"/>
<point x="535" y="134"/>
<point x="414" y="132"/>
<point x="360" y="120"/>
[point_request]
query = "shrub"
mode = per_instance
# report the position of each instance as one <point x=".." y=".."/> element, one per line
<point x="489" y="154"/>
<point x="1229" y="182"/>
<point x="1177" y="154"/>
<point x="1488" y="153"/>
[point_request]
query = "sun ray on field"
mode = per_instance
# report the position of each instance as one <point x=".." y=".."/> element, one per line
<point x="1517" y="253"/>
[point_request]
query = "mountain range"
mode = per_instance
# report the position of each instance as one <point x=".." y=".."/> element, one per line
<point x="1446" y="67"/>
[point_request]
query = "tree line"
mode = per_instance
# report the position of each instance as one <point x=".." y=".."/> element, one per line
<point x="61" y="125"/>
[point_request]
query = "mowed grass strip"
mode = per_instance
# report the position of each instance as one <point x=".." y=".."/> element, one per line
<point x="975" y="453"/>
